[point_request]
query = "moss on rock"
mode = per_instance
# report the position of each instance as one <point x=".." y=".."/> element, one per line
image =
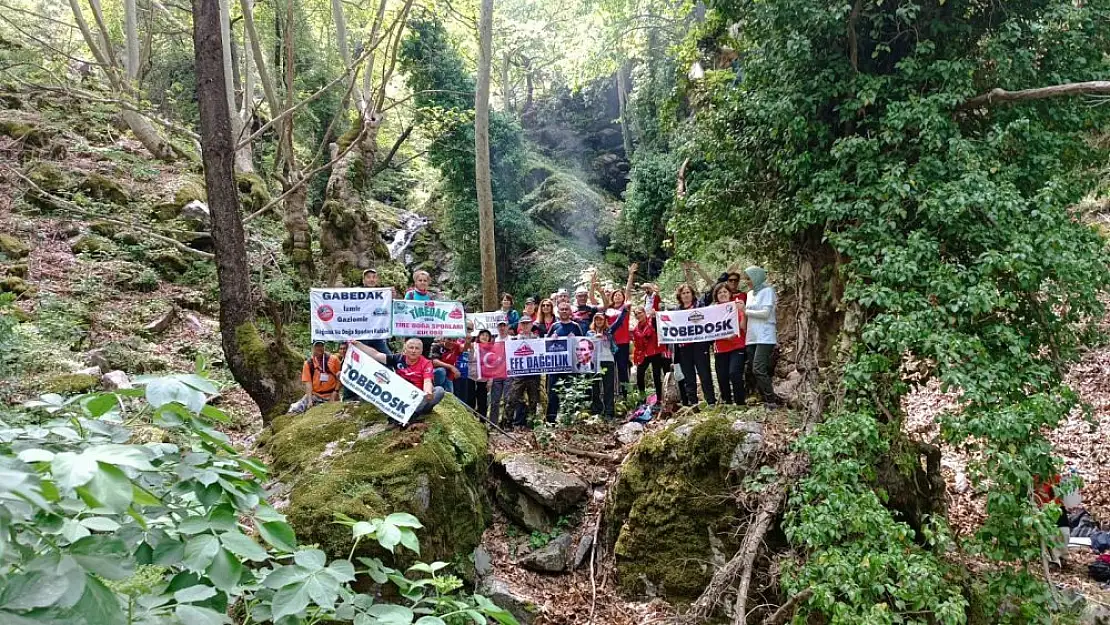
<point x="253" y="193"/>
<point x="12" y="284"/>
<point x="103" y="188"/>
<point x="191" y="189"/>
<point x="70" y="383"/>
<point x="91" y="244"/>
<point x="672" y="495"/>
<point x="49" y="177"/>
<point x="344" y="457"/>
<point x="12" y="247"/>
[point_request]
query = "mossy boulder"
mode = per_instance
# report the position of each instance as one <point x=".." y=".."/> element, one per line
<point x="133" y="355"/>
<point x="104" y="228"/>
<point x="671" y="513"/>
<point x="91" y="244"/>
<point x="344" y="457"/>
<point x="168" y="263"/>
<point x="49" y="177"/>
<point x="13" y="284"/>
<point x="570" y="207"/>
<point x="70" y="383"/>
<point x="103" y="188"/>
<point x="253" y="193"/>
<point x="31" y="134"/>
<point x="12" y="247"/>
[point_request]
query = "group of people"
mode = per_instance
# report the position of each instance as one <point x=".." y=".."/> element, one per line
<point x="625" y="332"/>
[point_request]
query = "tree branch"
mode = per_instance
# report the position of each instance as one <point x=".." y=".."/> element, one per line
<point x="998" y="96"/>
<point x="786" y="612"/>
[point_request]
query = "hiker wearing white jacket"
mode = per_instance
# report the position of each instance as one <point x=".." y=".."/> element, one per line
<point x="762" y="333"/>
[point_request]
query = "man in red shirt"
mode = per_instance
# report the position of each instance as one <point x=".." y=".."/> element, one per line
<point x="417" y="370"/>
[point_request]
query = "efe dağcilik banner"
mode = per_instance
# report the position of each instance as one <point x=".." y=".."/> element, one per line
<point x="519" y="357"/>
<point x="350" y="314"/>
<point x="377" y="384"/>
<point x="696" y="325"/>
<point x="429" y="318"/>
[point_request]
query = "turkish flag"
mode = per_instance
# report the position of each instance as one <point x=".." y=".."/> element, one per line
<point x="491" y="361"/>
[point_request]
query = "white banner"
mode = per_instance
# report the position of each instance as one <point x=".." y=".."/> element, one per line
<point x="488" y="321"/>
<point x="377" y="384"/>
<point x="697" y="325"/>
<point x="428" y="318"/>
<point x="350" y="314"/>
<point x="519" y="357"/>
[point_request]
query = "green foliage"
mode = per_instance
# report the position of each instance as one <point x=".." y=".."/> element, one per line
<point x="9" y="346"/>
<point x="575" y="392"/>
<point x="648" y="206"/>
<point x="99" y="529"/>
<point x="444" y="97"/>
<point x="846" y="133"/>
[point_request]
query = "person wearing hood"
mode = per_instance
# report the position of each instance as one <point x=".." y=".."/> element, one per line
<point x="762" y="333"/>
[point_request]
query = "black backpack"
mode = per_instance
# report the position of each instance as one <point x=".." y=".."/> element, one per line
<point x="1099" y="571"/>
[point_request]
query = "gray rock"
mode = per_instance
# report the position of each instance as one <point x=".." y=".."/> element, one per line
<point x="630" y="432"/>
<point x="556" y="490"/>
<point x="552" y="558"/>
<point x="582" y="552"/>
<point x="520" y="605"/>
<point x="115" y="381"/>
<point x="162" y="322"/>
<point x="522" y="509"/>
<point x="94" y="371"/>
<point x="743" y="457"/>
<point x="483" y="563"/>
<point x="195" y="211"/>
<point x="97" y="358"/>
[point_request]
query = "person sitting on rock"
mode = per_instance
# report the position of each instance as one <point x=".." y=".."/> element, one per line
<point x="320" y="376"/>
<point x="416" y="370"/>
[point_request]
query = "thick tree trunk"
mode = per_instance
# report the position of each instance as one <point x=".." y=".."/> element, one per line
<point x="131" y="35"/>
<point x="267" y="373"/>
<point x="486" y="239"/>
<point x="243" y="162"/>
<point x="148" y="135"/>
<point x="298" y="233"/>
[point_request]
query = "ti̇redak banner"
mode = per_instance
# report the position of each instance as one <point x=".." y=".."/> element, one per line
<point x="488" y="321"/>
<point x="519" y="357"/>
<point x="696" y="325"/>
<point x="429" y="318"/>
<point x="350" y="314"/>
<point x="377" y="384"/>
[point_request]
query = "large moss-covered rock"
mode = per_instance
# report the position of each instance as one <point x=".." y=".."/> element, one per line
<point x="103" y="188"/>
<point x="671" y="513"/>
<point x="12" y="247"/>
<point x="571" y="208"/>
<point x="70" y="383"/>
<point x="344" y="457"/>
<point x="253" y="193"/>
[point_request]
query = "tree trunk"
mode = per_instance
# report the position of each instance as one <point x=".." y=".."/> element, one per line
<point x="622" y="99"/>
<point x="242" y="156"/>
<point x="298" y="234"/>
<point x="486" y="240"/>
<point x="507" y="86"/>
<point x="131" y="35"/>
<point x="267" y="373"/>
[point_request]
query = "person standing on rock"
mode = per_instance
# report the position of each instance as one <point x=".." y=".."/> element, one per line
<point x="499" y="389"/>
<point x="320" y="375"/>
<point x="694" y="357"/>
<point x="729" y="354"/>
<point x="417" y="370"/>
<point x="370" y="281"/>
<point x="603" y="393"/>
<point x="762" y="335"/>
<point x="481" y="385"/>
<point x="648" y="352"/>
<point x="524" y="395"/>
<point x="421" y="292"/>
<point x="563" y="327"/>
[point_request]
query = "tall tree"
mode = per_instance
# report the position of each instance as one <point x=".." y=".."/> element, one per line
<point x="266" y="372"/>
<point x="482" y="180"/>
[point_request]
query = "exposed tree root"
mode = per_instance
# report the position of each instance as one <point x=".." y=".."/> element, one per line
<point x="786" y="612"/>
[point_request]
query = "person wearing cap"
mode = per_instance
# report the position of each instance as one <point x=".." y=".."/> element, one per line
<point x="499" y="389"/>
<point x="524" y="393"/>
<point x="563" y="327"/>
<point x="320" y="375"/>
<point x="531" y="308"/>
<point x="370" y="281"/>
<point x="585" y="305"/>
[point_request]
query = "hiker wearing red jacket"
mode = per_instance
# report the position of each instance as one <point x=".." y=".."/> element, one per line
<point x="648" y="352"/>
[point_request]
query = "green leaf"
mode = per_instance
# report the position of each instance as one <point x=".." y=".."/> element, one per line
<point x="164" y="390"/>
<point x="375" y="569"/>
<point x="410" y="541"/>
<point x="121" y="455"/>
<point x="196" y="615"/>
<point x="100" y="524"/>
<point x="389" y="536"/>
<point x="226" y="571"/>
<point x="34" y="589"/>
<point x="168" y="553"/>
<point x="363" y="528"/>
<point x="143" y="498"/>
<point x="35" y="455"/>
<point x="285" y="575"/>
<point x="242" y="546"/>
<point x="106" y="556"/>
<point x="279" y="535"/>
<point x="290" y="600"/>
<point x="111" y="488"/>
<point x="342" y="570"/>
<point x="102" y="404"/>
<point x="98" y="604"/>
<point x="430" y="620"/>
<point x="215" y="414"/>
<point x="199" y="551"/>
<point x="403" y="519"/>
<point x="191" y="594"/>
<point x="391" y="614"/>
<point x="323" y="589"/>
<point x="71" y="470"/>
<point x="311" y="559"/>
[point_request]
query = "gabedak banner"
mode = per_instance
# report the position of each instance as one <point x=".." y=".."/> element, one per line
<point x="350" y="314"/>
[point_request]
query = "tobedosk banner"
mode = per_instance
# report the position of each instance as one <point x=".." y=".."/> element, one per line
<point x="428" y="318"/>
<point x="697" y="325"/>
<point x="350" y="314"/>
<point x="374" y="382"/>
<point x="515" y="358"/>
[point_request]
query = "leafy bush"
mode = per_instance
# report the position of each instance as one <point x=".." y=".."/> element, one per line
<point x="100" y="528"/>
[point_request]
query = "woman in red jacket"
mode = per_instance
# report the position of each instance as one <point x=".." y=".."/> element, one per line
<point x="648" y="352"/>
<point x="728" y="357"/>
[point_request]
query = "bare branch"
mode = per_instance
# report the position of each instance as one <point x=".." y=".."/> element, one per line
<point x="997" y="96"/>
<point x="786" y="612"/>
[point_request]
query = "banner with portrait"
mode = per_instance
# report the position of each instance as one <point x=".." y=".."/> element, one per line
<point x="520" y="357"/>
<point x="377" y="384"/>
<point x="697" y="325"/>
<point x="350" y="314"/>
<point x="429" y="318"/>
